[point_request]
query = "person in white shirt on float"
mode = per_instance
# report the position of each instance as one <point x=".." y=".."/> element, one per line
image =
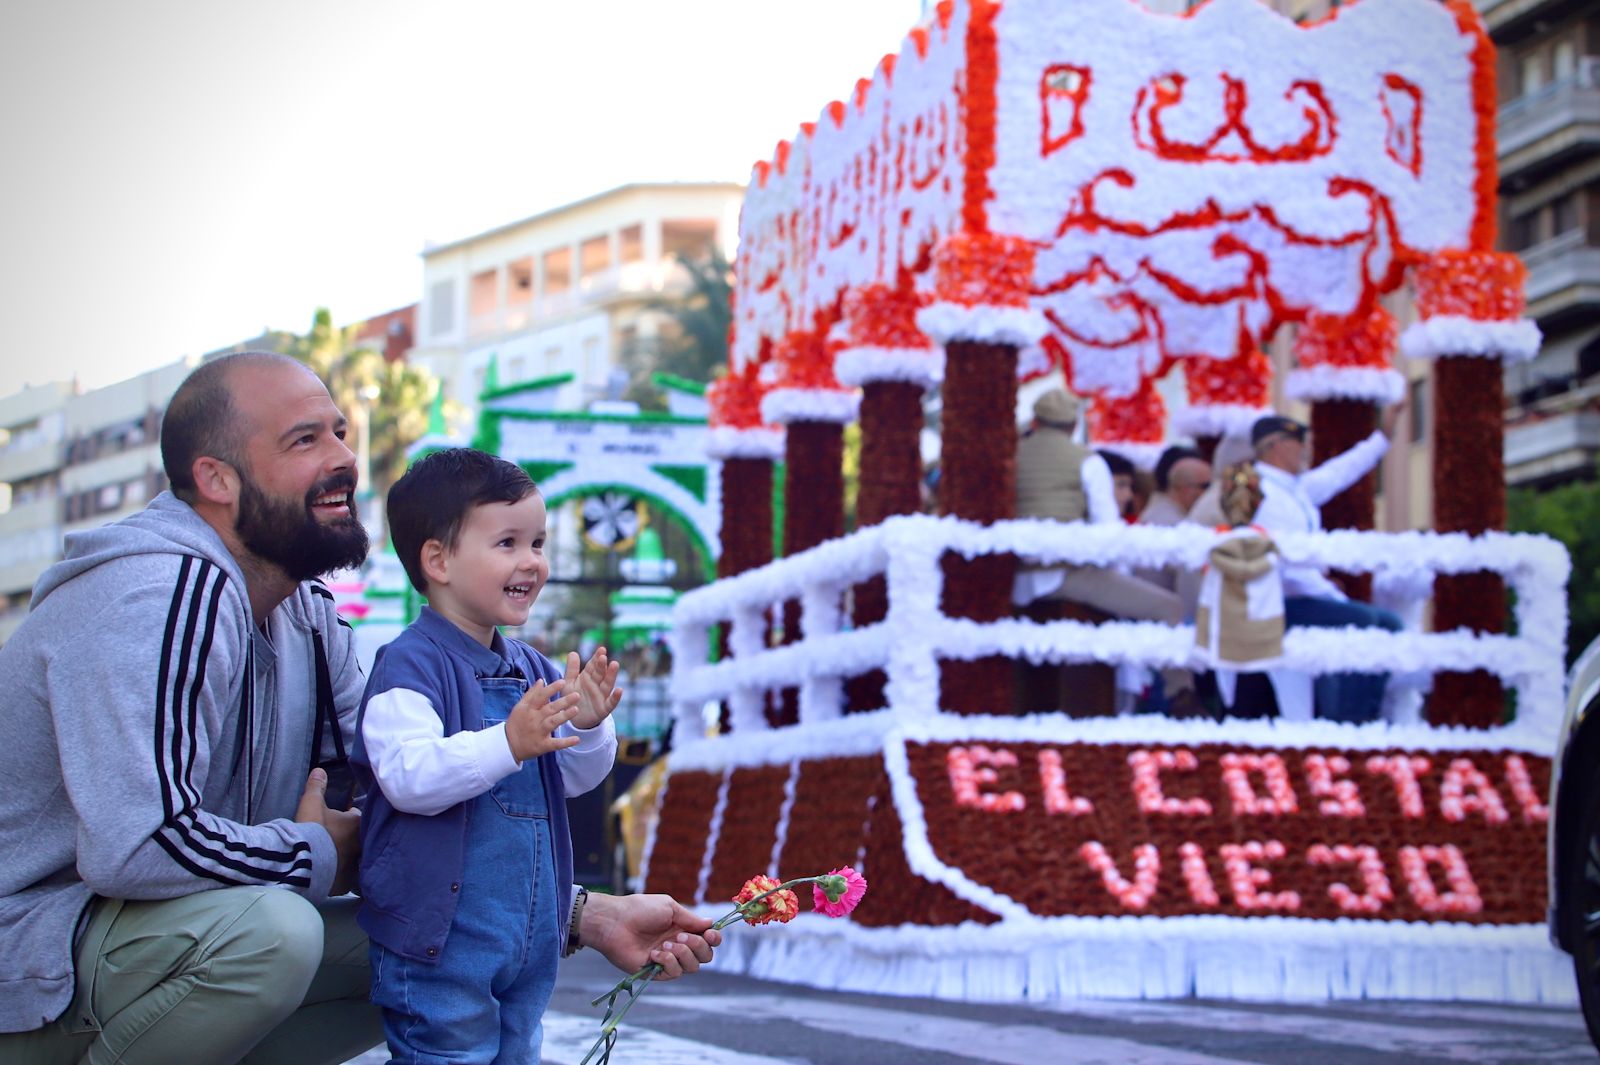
<point x="1291" y="502"/>
<point x="1059" y="478"/>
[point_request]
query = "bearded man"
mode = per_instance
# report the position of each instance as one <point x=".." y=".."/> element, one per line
<point x="176" y="705"/>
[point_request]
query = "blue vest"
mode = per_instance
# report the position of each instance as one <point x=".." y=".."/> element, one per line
<point x="411" y="864"/>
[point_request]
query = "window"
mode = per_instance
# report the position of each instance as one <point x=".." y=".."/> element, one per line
<point x="1532" y="73"/>
<point x="557" y="271"/>
<point x="442" y="307"/>
<point x="1417" y="411"/>
<point x="519" y="282"/>
<point x="1523" y="232"/>
<point x="691" y="238"/>
<point x="1564" y="61"/>
<point x="594" y="256"/>
<point x="1589" y="359"/>
<point x="630" y="244"/>
<point x="1564" y="210"/>
<point x="484" y="293"/>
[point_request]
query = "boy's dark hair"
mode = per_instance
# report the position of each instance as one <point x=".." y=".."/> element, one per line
<point x="1120" y="467"/>
<point x="432" y="500"/>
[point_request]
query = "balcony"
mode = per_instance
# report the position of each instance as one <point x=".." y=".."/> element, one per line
<point x="30" y="456"/>
<point x="1552" y="126"/>
<point x="1511" y="20"/>
<point x="1563" y="276"/>
<point x="32" y="514"/>
<point x="1556" y="446"/>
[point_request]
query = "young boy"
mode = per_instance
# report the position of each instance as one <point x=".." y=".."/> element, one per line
<point x="473" y="742"/>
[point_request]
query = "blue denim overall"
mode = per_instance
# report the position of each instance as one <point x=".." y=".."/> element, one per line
<point x="483" y="1000"/>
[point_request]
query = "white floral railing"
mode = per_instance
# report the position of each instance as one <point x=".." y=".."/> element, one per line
<point x="916" y="634"/>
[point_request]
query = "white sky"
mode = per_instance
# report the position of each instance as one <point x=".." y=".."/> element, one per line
<point x="176" y="175"/>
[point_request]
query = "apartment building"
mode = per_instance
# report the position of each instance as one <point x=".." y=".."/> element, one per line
<point x="33" y="432"/>
<point x="568" y="290"/>
<point x="1549" y="147"/>
<point x="112" y="464"/>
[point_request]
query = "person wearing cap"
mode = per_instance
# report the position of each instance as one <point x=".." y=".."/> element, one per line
<point x="1292" y="497"/>
<point x="1061" y="479"/>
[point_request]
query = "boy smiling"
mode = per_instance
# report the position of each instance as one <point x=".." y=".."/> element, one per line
<point x="474" y="742"/>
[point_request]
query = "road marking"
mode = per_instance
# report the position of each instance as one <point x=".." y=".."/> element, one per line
<point x="568" y="1037"/>
<point x="1479" y="1042"/>
<point x="1004" y="1044"/>
<point x="1563" y="1018"/>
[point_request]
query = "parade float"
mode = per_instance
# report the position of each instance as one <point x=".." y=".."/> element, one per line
<point x="1091" y="188"/>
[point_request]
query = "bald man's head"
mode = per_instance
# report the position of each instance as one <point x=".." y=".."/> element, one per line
<point x="203" y="420"/>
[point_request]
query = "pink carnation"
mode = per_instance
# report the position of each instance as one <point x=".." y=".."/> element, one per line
<point x="838" y="892"/>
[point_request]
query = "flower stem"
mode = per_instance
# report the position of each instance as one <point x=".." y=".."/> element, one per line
<point x="635" y="983"/>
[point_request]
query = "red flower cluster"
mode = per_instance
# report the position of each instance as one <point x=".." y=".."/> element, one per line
<point x="1484" y="285"/>
<point x="984" y="270"/>
<point x="1243" y="381"/>
<point x="735" y="400"/>
<point x="883" y="317"/>
<point x="1367" y="342"/>
<point x="805" y="360"/>
<point x="1137" y="419"/>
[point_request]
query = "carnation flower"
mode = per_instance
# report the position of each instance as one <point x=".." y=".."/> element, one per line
<point x="761" y="901"/>
<point x="837" y="893"/>
<point x="779" y="904"/>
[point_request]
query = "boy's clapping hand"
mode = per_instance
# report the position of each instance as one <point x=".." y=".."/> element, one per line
<point x="532" y="722"/>
<point x="596" y="686"/>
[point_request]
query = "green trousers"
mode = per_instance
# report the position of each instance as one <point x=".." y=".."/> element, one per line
<point x="245" y="974"/>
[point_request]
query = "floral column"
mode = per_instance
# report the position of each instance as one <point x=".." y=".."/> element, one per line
<point x="983" y="319"/>
<point x="807" y="400"/>
<point x="1344" y="372"/>
<point x="1471" y="304"/>
<point x="747" y="449"/>
<point x="894" y="363"/>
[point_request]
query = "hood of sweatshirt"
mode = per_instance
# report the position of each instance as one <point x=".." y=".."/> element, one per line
<point x="1243" y="558"/>
<point x="166" y="526"/>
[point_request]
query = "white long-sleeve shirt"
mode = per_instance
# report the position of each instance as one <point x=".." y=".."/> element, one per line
<point x="1292" y="504"/>
<point x="423" y="771"/>
<point x="1099" y="491"/>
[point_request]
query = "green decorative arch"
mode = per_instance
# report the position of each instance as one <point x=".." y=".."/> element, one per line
<point x="708" y="560"/>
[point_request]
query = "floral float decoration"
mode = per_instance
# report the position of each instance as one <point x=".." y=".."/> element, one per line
<point x="762" y="900"/>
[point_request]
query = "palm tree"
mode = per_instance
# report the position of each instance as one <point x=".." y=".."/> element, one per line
<point x="392" y="398"/>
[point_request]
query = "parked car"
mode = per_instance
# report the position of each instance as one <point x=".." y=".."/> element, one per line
<point x="1575" y="834"/>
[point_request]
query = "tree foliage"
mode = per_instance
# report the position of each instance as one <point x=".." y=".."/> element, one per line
<point x="394" y="395"/>
<point x="1569" y="513"/>
<point x="693" y="341"/>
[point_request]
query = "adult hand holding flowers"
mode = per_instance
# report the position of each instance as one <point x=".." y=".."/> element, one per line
<point x="639" y="930"/>
<point x="762" y="900"/>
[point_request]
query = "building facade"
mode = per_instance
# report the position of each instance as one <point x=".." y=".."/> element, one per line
<point x="33" y="433"/>
<point x="1549" y="142"/>
<point x="567" y="291"/>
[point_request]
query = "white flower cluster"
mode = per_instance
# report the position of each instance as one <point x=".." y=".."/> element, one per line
<point x="730" y="442"/>
<point x="909" y="642"/>
<point x="1345" y="382"/>
<point x="946" y="322"/>
<point x="1449" y="334"/>
<point x="864" y="365"/>
<point x="784" y="405"/>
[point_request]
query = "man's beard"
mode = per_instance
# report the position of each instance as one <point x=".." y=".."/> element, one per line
<point x="287" y="533"/>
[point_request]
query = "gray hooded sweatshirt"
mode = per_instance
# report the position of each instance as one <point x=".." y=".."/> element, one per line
<point x="153" y="741"/>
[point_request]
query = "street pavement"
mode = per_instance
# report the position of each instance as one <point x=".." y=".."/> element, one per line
<point x="719" y="1019"/>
